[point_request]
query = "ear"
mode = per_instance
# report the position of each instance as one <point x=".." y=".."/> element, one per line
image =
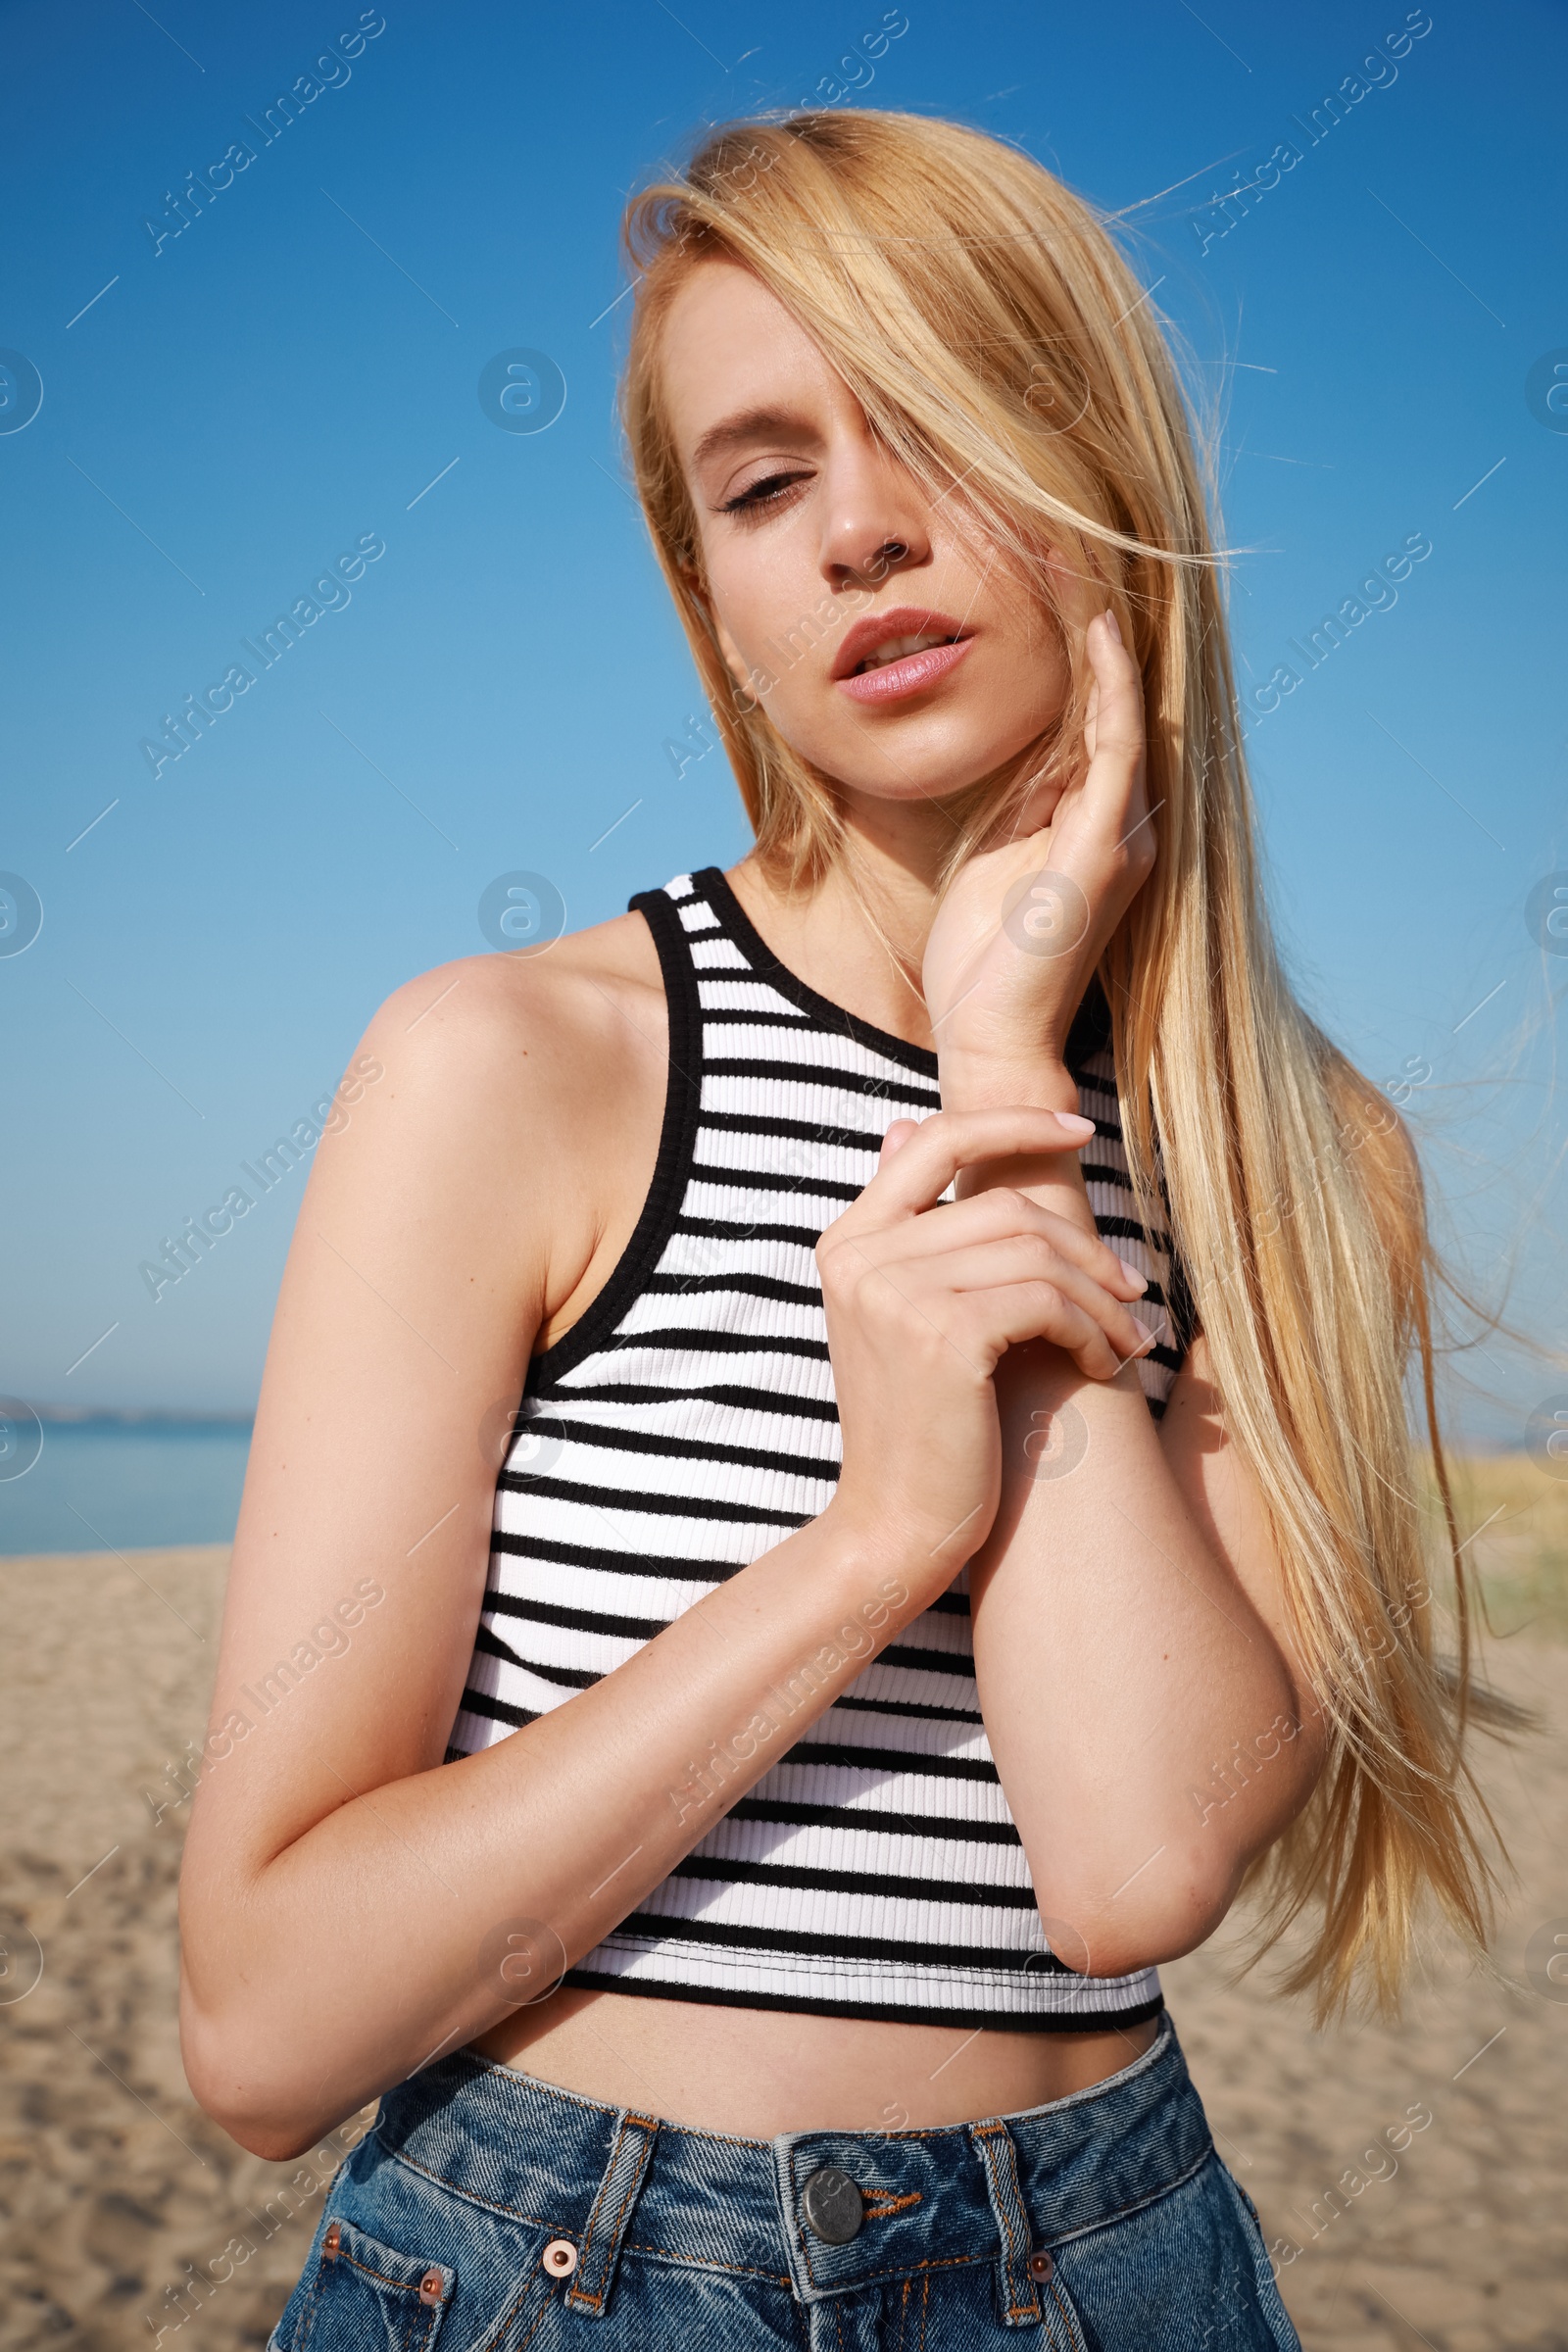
<point x="738" y="669"/>
<point x="696" y="587"/>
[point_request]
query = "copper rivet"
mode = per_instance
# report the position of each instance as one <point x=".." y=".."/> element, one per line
<point x="430" y="2287"/>
<point x="1041" y="2266"/>
<point x="330" y="2244"/>
<point x="560" y="2257"/>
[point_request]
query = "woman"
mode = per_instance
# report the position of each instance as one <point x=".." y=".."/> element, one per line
<point x="947" y="1542"/>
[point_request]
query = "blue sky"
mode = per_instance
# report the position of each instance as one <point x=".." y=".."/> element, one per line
<point x="295" y="375"/>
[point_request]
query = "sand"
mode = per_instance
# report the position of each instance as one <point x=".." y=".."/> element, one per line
<point x="116" y="2190"/>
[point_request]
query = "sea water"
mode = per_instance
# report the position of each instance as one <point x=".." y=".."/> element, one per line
<point x="123" y="1483"/>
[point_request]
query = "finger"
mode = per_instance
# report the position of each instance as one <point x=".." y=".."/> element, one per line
<point x="1097" y="1257"/>
<point x="927" y="1162"/>
<point x="993" y="1216"/>
<point x="897" y="1136"/>
<point x="1100" y="833"/>
<point x="1026" y="1257"/>
<point x="1014" y="1313"/>
<point x="1117" y="752"/>
<point x="1014" y="1211"/>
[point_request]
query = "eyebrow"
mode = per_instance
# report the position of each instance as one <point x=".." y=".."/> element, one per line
<point x="750" y="424"/>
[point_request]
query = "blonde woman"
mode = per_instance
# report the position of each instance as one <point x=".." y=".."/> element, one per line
<point x="957" y="1526"/>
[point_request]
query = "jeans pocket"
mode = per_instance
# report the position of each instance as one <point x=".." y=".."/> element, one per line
<point x="360" y="2295"/>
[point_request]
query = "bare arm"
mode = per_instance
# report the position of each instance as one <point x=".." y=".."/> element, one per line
<point x="1129" y="1628"/>
<point x="351" y="1905"/>
<point x="1129" y="1639"/>
<point x="1129" y="1631"/>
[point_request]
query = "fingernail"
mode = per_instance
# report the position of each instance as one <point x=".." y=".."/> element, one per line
<point x="1133" y="1274"/>
<point x="1075" y="1124"/>
<point x="1112" y="624"/>
<point x="1149" y="1344"/>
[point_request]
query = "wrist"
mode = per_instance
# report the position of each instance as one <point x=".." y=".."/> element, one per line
<point x="890" y="1550"/>
<point x="1056" y="1180"/>
<point x="972" y="1081"/>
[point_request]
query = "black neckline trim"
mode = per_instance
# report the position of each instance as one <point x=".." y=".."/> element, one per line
<point x="683" y="1095"/>
<point x="1089" y="1034"/>
<point x="711" y="885"/>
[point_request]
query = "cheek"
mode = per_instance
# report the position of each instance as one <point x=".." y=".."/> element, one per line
<point x="772" y="602"/>
<point x="1033" y="678"/>
<point x="1023" y="679"/>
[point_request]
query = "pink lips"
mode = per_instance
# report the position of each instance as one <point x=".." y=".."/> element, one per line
<point x="909" y="674"/>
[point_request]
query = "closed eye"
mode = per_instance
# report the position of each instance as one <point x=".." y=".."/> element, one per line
<point x="769" y="490"/>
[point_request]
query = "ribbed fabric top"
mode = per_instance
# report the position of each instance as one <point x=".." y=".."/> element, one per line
<point x="685" y="1425"/>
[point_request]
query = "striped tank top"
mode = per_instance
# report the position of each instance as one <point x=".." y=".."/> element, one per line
<point x="686" y="1424"/>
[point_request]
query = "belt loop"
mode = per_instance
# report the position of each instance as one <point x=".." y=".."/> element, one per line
<point x="993" y="2144"/>
<point x="1023" y="2304"/>
<point x="629" y="2155"/>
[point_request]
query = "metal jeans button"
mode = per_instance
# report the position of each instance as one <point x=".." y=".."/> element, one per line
<point x="560" y="2257"/>
<point x="833" y="2205"/>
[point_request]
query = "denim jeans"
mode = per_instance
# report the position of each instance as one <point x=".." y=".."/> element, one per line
<point x="490" y="2212"/>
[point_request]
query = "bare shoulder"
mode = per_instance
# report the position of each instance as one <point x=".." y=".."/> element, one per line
<point x="527" y="1019"/>
<point x="524" y="1094"/>
<point x="481" y="1168"/>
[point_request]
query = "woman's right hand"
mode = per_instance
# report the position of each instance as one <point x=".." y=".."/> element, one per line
<point x="924" y="1297"/>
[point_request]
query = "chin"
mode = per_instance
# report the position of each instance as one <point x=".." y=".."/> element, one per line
<point x="912" y="790"/>
<point x="926" y="773"/>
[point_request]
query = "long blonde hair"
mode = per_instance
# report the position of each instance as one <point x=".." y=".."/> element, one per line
<point x="1001" y="345"/>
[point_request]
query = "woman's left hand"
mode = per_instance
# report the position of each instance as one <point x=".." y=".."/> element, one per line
<point x="1022" y="928"/>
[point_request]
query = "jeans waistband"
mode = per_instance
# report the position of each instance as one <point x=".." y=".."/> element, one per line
<point x="611" y="2180"/>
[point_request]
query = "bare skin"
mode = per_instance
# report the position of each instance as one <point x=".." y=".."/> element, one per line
<point x="1128" y="1623"/>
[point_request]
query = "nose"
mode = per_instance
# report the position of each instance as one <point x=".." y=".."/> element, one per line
<point x="874" y="521"/>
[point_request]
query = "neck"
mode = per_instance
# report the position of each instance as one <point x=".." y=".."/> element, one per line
<point x="859" y="937"/>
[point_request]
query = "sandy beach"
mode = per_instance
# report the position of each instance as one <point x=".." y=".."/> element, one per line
<point x="1410" y="2176"/>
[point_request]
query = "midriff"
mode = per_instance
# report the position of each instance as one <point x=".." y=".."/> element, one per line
<point x="757" y="2072"/>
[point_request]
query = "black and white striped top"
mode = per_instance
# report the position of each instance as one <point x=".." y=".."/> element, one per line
<point x="686" y="1424"/>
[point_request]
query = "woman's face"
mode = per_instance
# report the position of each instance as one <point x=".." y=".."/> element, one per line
<point x="878" y="630"/>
